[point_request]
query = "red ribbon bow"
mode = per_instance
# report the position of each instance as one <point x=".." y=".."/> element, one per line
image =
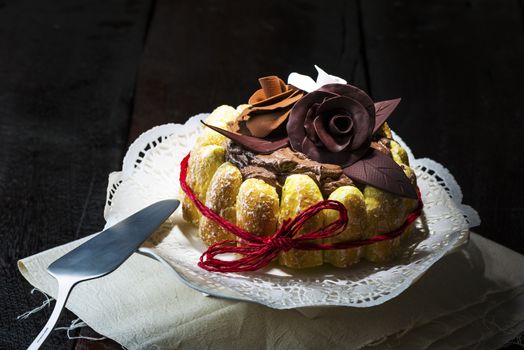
<point x="259" y="251"/>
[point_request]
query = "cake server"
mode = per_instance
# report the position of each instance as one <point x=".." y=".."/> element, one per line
<point x="103" y="254"/>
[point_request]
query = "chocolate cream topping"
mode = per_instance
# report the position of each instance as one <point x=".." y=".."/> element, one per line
<point x="274" y="168"/>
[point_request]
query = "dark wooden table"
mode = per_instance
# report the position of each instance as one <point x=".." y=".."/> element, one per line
<point x="79" y="80"/>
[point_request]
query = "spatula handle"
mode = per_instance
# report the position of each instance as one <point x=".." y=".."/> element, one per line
<point x="64" y="288"/>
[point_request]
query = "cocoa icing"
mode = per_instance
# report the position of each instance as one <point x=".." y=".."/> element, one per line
<point x="275" y="167"/>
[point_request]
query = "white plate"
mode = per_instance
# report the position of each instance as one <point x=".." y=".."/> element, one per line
<point x="150" y="173"/>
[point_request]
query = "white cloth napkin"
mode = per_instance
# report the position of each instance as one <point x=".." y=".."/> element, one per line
<point x="471" y="298"/>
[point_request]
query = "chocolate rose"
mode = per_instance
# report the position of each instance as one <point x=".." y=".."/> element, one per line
<point x="270" y="107"/>
<point x="333" y="124"/>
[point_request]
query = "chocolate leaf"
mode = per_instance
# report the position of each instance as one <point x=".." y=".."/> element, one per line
<point x="383" y="110"/>
<point x="263" y="124"/>
<point x="380" y="171"/>
<point x="252" y="143"/>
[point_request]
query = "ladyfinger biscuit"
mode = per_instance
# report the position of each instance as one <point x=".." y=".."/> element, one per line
<point x="385" y="212"/>
<point x="355" y="205"/>
<point x="257" y="207"/>
<point x="221" y="197"/>
<point x="385" y="131"/>
<point x="203" y="163"/>
<point x="398" y="153"/>
<point x="298" y="193"/>
<point x="409" y="204"/>
<point x="221" y="117"/>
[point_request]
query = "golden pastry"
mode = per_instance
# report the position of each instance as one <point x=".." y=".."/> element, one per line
<point x="221" y="117"/>
<point x="257" y="207"/>
<point x="398" y="153"/>
<point x="203" y="163"/>
<point x="221" y="197"/>
<point x="385" y="212"/>
<point x="355" y="205"/>
<point x="298" y="193"/>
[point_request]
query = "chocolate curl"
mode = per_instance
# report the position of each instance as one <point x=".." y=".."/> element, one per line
<point x="383" y="110"/>
<point x="271" y="86"/>
<point x="252" y="143"/>
<point x="259" y="251"/>
<point x="380" y="171"/>
<point x="265" y="123"/>
<point x="270" y="107"/>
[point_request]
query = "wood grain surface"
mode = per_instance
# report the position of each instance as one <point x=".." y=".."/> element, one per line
<point x="69" y="105"/>
<point x="67" y="75"/>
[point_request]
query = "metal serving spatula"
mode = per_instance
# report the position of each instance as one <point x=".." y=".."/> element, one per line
<point x="103" y="254"/>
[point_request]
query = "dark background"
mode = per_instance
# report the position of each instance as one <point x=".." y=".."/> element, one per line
<point x="80" y="80"/>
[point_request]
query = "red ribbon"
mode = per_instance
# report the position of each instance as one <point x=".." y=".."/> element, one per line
<point x="258" y="251"/>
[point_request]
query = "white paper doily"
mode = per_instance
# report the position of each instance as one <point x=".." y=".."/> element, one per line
<point x="150" y="173"/>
